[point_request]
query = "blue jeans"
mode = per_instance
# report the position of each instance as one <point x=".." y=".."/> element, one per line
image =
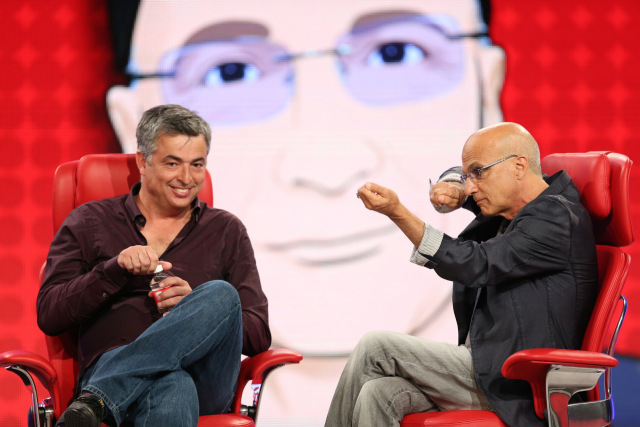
<point x="184" y="365"/>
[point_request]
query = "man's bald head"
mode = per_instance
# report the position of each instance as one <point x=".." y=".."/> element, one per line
<point x="505" y="139"/>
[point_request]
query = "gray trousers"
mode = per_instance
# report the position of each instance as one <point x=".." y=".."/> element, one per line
<point x="390" y="375"/>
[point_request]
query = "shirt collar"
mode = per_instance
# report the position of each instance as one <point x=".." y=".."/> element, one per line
<point x="557" y="182"/>
<point x="136" y="216"/>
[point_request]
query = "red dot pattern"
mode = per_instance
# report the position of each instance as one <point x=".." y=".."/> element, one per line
<point x="573" y="80"/>
<point x="57" y="67"/>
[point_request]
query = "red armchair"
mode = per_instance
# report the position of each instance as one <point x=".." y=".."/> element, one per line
<point x="96" y="177"/>
<point x="555" y="375"/>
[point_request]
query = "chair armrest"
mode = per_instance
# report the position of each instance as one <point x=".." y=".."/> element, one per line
<point x="257" y="368"/>
<point x="25" y="364"/>
<point x="32" y="362"/>
<point x="254" y="366"/>
<point x="533" y="365"/>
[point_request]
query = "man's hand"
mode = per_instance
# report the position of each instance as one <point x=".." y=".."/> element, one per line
<point x="384" y="200"/>
<point x="140" y="260"/>
<point x="380" y="199"/>
<point x="447" y="196"/>
<point x="173" y="290"/>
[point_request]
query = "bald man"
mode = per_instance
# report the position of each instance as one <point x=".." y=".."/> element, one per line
<point x="524" y="275"/>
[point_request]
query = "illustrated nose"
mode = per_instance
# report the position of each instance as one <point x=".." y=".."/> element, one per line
<point x="329" y="170"/>
<point x="326" y="152"/>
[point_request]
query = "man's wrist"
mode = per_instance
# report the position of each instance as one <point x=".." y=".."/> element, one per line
<point x="429" y="245"/>
<point x="452" y="178"/>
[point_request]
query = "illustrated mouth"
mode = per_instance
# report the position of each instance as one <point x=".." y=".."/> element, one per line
<point x="334" y="251"/>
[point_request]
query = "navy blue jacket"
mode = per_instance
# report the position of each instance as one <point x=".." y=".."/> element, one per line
<point x="535" y="287"/>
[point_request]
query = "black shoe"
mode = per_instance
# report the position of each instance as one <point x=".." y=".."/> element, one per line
<point x="85" y="411"/>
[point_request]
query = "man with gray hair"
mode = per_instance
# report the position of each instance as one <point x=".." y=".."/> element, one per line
<point x="139" y="362"/>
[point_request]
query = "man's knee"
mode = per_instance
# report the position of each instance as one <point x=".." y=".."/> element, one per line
<point x="211" y="305"/>
<point x="223" y="292"/>
<point x="219" y="297"/>
<point x="373" y="395"/>
<point x="376" y="341"/>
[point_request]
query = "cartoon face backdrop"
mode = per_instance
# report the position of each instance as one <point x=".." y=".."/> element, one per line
<point x="302" y="115"/>
<point x="307" y="101"/>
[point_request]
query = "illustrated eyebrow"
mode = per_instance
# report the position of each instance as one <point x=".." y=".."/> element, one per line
<point x="227" y="30"/>
<point x="373" y="19"/>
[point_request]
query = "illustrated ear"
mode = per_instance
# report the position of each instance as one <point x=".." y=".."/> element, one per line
<point x="124" y="113"/>
<point x="491" y="64"/>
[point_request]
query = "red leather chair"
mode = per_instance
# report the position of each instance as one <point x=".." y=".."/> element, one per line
<point x="96" y="177"/>
<point x="554" y="374"/>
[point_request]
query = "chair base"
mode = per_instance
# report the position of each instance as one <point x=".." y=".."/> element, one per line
<point x="453" y="418"/>
<point x="226" y="420"/>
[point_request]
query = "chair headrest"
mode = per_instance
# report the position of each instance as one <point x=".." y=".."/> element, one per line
<point x="589" y="172"/>
<point x="100" y="176"/>
<point x="603" y="181"/>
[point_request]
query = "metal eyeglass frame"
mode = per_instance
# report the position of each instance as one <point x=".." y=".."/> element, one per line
<point x="476" y="173"/>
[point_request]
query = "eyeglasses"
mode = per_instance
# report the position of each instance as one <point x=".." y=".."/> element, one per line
<point x="249" y="78"/>
<point x="476" y="173"/>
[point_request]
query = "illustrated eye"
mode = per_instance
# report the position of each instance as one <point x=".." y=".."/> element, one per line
<point x="396" y="53"/>
<point x="231" y="72"/>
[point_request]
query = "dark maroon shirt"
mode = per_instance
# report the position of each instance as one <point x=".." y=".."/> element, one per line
<point x="86" y="292"/>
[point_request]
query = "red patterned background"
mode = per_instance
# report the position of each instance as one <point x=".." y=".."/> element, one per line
<point x="573" y="80"/>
